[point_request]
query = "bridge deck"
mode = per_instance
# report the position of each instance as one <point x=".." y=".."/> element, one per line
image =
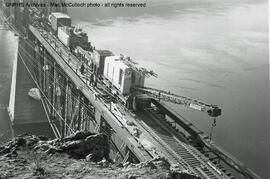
<point x="129" y="139"/>
<point x="153" y="139"/>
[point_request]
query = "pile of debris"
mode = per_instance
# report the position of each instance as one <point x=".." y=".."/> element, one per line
<point x="80" y="145"/>
<point x="82" y="155"/>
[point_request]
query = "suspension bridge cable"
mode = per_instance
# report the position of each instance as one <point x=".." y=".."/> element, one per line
<point x="60" y="71"/>
<point x="86" y="108"/>
<point x="54" y="128"/>
<point x="43" y="92"/>
<point x="35" y="65"/>
<point x="88" y="111"/>
<point x="16" y="31"/>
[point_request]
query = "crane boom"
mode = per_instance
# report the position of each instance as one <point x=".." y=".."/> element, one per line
<point x="210" y="109"/>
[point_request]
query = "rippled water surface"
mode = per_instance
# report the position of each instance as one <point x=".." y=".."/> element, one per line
<point x="216" y="51"/>
<point x="7" y="44"/>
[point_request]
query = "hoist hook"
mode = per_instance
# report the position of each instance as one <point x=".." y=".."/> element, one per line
<point x="214" y="124"/>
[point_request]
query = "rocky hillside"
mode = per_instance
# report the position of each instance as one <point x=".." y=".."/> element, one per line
<point x="83" y="155"/>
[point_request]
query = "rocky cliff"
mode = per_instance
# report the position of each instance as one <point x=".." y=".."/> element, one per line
<point x="82" y="155"/>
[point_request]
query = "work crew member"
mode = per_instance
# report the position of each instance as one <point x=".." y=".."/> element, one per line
<point x="91" y="79"/>
<point x="91" y="66"/>
<point x="95" y="81"/>
<point x="82" y="69"/>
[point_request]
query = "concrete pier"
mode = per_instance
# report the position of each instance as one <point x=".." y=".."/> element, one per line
<point x="27" y="114"/>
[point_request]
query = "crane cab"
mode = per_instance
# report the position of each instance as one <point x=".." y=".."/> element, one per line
<point x="214" y="112"/>
<point x="118" y="74"/>
<point x="121" y="74"/>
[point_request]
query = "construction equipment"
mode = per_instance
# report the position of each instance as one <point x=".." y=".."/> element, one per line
<point x="134" y="65"/>
<point x="210" y="109"/>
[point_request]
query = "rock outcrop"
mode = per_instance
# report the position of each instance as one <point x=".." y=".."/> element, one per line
<point x="77" y="146"/>
<point x="82" y="155"/>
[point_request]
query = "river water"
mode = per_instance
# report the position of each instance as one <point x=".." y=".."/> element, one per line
<point x="216" y="51"/>
<point x="7" y="53"/>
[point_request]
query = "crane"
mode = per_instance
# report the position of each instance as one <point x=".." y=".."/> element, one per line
<point x="134" y="65"/>
<point x="210" y="109"/>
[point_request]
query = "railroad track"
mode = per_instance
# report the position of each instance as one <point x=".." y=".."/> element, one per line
<point x="187" y="156"/>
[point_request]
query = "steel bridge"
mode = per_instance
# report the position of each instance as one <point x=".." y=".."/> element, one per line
<point x="70" y="104"/>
